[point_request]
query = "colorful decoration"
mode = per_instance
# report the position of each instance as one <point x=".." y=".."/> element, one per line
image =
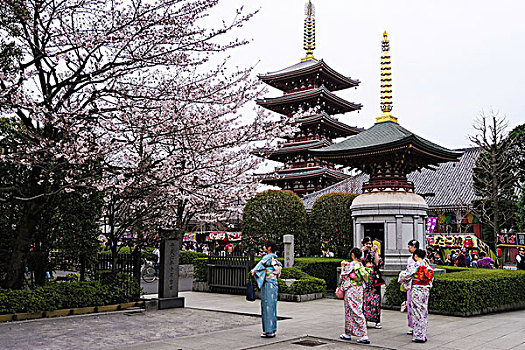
<point x="457" y="241"/>
<point x="431" y="224"/>
<point x="225" y="236"/>
<point x="190" y="237"/>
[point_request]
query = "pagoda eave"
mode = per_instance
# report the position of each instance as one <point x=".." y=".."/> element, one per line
<point x="291" y="149"/>
<point x="313" y="71"/>
<point x="319" y="97"/>
<point x="388" y="150"/>
<point x="327" y="122"/>
<point x="299" y="174"/>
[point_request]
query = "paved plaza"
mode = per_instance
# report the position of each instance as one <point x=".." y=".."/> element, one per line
<point x="218" y="321"/>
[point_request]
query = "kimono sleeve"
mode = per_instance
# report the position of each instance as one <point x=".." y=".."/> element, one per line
<point x="260" y="269"/>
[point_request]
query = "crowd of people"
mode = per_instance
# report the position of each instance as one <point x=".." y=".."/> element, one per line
<point x="216" y="249"/>
<point x="461" y="258"/>
<point x="361" y="284"/>
<point x="360" y="288"/>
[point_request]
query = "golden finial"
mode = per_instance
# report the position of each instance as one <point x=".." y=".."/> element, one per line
<point x="309" y="31"/>
<point x="386" y="82"/>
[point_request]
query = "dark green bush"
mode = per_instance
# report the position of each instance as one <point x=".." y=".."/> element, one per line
<point x="122" y="280"/>
<point x="187" y="257"/>
<point x="451" y="269"/>
<point x="473" y="291"/>
<point x="61" y="296"/>
<point x="393" y="295"/>
<point x="270" y="215"/>
<point x="304" y="283"/>
<point x="331" y="219"/>
<point x="200" y="269"/>
<point x="324" y="268"/>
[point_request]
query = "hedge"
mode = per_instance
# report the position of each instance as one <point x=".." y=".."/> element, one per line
<point x="60" y="296"/>
<point x="304" y="284"/>
<point x="324" y="268"/>
<point x="470" y="292"/>
<point x="188" y="258"/>
<point x="200" y="269"/>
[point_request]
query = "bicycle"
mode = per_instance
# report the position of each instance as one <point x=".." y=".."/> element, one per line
<point x="148" y="272"/>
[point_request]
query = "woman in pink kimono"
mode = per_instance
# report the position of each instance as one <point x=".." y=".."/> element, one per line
<point x="419" y="278"/>
<point x="353" y="277"/>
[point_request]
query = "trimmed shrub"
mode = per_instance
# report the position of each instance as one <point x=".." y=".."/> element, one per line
<point x="272" y="214"/>
<point x="393" y="294"/>
<point x="470" y="292"/>
<point x="331" y="220"/>
<point x="188" y="258"/>
<point x="304" y="284"/>
<point x="451" y="269"/>
<point x="200" y="269"/>
<point x="324" y="268"/>
<point x="60" y="296"/>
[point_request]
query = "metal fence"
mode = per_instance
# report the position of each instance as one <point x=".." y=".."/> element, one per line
<point x="228" y="274"/>
<point x="128" y="264"/>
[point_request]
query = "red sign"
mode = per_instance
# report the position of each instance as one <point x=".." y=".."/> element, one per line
<point x="225" y="236"/>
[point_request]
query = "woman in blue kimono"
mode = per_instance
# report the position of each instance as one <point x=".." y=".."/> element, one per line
<point x="266" y="274"/>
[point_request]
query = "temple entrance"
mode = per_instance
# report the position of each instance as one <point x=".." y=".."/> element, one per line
<point x="376" y="231"/>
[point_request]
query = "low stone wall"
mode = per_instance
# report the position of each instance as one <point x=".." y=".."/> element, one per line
<point x="72" y="311"/>
<point x="201" y="286"/>
<point x="186" y="271"/>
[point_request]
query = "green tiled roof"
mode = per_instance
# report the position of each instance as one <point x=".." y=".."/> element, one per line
<point x="383" y="136"/>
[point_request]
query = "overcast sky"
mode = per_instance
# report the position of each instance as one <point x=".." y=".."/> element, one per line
<point x="450" y="59"/>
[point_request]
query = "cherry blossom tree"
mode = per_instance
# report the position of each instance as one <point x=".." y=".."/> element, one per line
<point x="134" y="98"/>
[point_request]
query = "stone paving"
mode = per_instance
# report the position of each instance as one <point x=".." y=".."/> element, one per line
<point x="218" y="321"/>
<point x="113" y="330"/>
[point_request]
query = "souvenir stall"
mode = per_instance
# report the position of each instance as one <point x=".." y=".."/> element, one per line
<point x="507" y="248"/>
<point x="447" y="243"/>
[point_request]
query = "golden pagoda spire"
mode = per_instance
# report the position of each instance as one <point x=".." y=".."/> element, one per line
<point x="309" y="31"/>
<point x="386" y="83"/>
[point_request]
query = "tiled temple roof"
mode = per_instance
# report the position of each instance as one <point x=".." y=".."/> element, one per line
<point x="381" y="137"/>
<point x="318" y="69"/>
<point x="451" y="183"/>
<point x="320" y="96"/>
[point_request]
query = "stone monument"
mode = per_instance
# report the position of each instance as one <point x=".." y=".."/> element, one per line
<point x="289" y="250"/>
<point x="169" y="275"/>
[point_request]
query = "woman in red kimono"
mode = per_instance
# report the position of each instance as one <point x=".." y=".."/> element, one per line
<point x="372" y="290"/>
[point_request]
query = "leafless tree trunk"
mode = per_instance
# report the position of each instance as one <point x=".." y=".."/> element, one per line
<point x="494" y="181"/>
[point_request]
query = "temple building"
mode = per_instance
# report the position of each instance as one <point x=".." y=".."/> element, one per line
<point x="308" y="97"/>
<point x="389" y="210"/>
<point x="448" y="191"/>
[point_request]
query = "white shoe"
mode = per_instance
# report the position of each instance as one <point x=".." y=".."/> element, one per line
<point x="345" y="336"/>
<point x="363" y="340"/>
<point x="379" y="325"/>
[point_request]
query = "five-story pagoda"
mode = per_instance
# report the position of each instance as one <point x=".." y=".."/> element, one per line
<point x="388" y="210"/>
<point x="308" y="89"/>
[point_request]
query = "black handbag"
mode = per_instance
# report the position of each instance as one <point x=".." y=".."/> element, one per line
<point x="250" y="289"/>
